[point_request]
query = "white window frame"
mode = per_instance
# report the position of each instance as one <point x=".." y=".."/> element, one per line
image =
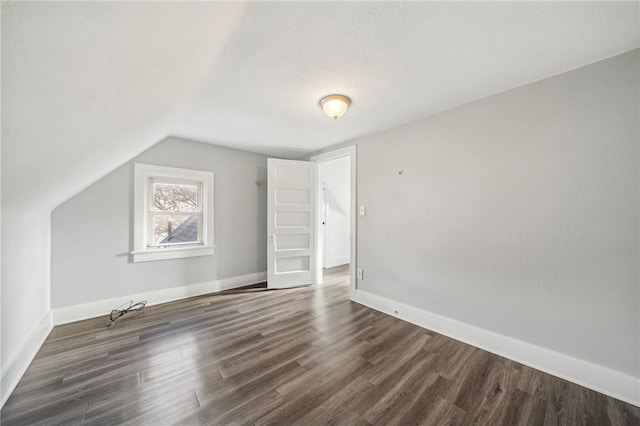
<point x="144" y="175"/>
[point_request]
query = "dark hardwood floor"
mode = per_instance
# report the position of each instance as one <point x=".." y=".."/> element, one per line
<point x="305" y="356"/>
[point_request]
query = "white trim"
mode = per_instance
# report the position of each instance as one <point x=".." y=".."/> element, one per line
<point x="351" y="152"/>
<point x="103" y="307"/>
<point x="593" y="376"/>
<point x="171" y="253"/>
<point x="143" y="174"/>
<point x="18" y="364"/>
<point x="335" y="154"/>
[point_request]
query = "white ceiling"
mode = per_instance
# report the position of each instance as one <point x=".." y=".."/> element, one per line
<point x="88" y="85"/>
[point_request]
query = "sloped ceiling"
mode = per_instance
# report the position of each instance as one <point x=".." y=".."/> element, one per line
<point x="88" y="85"/>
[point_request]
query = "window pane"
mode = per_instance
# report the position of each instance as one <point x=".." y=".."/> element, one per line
<point x="174" y="229"/>
<point x="174" y="198"/>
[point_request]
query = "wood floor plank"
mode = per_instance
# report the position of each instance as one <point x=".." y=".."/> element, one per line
<point x="338" y="408"/>
<point x="313" y="389"/>
<point x="222" y="401"/>
<point x="302" y="356"/>
<point x="378" y="399"/>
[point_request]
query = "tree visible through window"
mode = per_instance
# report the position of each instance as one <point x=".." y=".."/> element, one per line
<point x="175" y="213"/>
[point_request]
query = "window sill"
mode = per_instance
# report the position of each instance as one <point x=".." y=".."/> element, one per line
<point x="171" y="253"/>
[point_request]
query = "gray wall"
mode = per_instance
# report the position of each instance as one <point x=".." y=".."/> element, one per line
<point x="517" y="213"/>
<point x="91" y="233"/>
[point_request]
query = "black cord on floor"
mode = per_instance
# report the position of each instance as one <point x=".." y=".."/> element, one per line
<point x="117" y="313"/>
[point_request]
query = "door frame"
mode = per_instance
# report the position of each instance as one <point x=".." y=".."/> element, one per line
<point x="351" y="152"/>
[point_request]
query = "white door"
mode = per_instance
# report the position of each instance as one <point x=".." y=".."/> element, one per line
<point x="291" y="220"/>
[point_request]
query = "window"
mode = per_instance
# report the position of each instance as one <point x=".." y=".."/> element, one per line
<point x="173" y="213"/>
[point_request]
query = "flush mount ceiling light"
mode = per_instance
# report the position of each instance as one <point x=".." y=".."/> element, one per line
<point x="335" y="105"/>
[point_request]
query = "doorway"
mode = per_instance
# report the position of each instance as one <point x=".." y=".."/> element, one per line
<point x="336" y="214"/>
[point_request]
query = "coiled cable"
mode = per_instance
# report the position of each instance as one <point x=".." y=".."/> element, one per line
<point x="117" y="313"/>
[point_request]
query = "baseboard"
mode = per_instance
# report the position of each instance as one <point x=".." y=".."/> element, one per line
<point x="103" y="307"/>
<point x="601" y="379"/>
<point x="16" y="367"/>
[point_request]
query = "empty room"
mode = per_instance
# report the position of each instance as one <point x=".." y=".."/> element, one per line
<point x="307" y="213"/>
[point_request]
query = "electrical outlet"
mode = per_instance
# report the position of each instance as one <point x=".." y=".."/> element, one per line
<point x="360" y="273"/>
<point x="362" y="211"/>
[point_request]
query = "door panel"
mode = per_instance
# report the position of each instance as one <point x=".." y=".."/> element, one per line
<point x="291" y="258"/>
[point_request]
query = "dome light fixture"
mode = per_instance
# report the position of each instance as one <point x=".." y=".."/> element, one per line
<point x="335" y="105"/>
